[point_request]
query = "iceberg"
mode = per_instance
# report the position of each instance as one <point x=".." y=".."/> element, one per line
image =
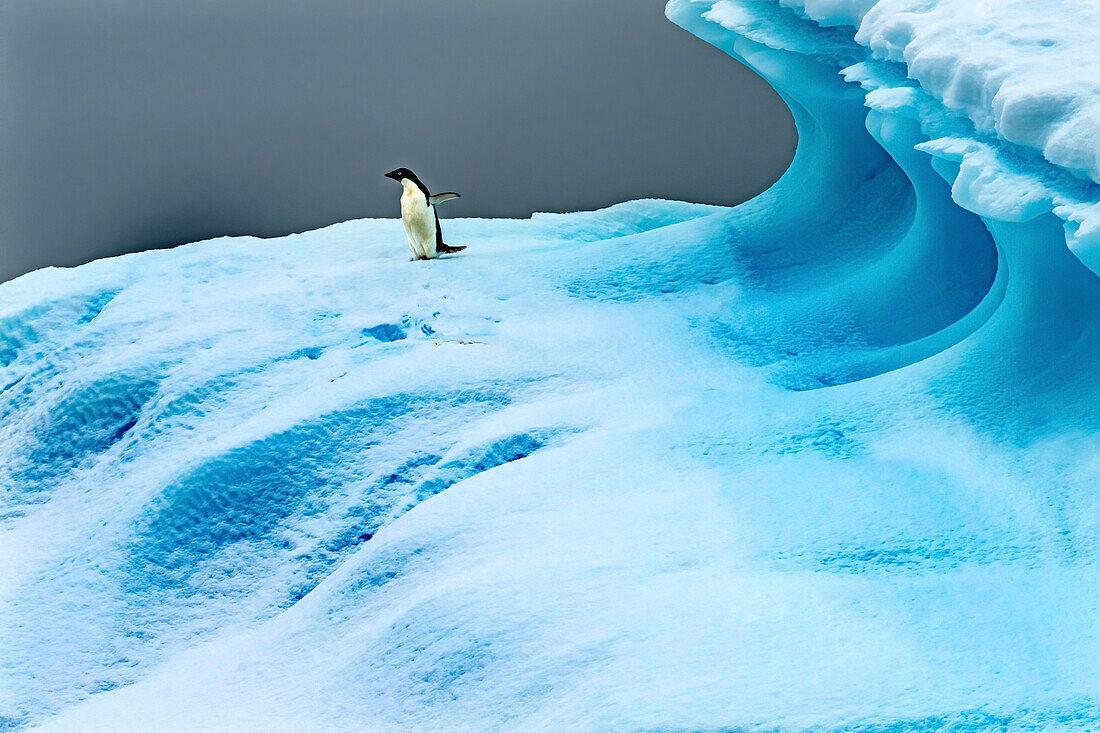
<point x="824" y="461"/>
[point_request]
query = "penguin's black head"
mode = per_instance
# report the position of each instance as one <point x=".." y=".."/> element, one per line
<point x="400" y="173"/>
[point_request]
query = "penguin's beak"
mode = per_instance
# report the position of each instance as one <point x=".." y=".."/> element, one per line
<point x="393" y="175"/>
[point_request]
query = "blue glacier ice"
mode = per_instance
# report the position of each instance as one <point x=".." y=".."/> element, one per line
<point x="825" y="461"/>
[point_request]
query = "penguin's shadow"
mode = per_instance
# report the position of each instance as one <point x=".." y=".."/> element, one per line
<point x="442" y="258"/>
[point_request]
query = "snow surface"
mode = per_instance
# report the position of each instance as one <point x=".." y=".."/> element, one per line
<point x="824" y="461"/>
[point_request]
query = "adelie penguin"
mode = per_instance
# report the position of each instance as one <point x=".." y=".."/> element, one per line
<point x="420" y="218"/>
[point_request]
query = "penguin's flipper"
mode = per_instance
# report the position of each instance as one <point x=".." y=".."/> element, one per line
<point x="441" y="197"/>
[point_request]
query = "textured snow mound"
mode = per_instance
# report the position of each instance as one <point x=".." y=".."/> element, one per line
<point x="824" y="461"/>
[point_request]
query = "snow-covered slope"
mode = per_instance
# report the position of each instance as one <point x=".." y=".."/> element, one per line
<point x="823" y="461"/>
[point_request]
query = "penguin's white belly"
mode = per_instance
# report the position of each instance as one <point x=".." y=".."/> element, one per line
<point x="418" y="216"/>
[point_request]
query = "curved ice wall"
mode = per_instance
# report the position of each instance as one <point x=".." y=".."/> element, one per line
<point x="969" y="237"/>
<point x="823" y="461"/>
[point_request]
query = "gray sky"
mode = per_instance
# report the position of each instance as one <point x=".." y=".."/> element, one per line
<point x="130" y="124"/>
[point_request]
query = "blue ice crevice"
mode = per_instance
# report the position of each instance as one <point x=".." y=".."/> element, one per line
<point x="938" y="265"/>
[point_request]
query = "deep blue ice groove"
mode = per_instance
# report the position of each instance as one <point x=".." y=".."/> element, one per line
<point x="176" y="405"/>
<point x="247" y="493"/>
<point x="11" y="384"/>
<point x="484" y="458"/>
<point x="194" y="543"/>
<point x="19" y="332"/>
<point x="85" y="422"/>
<point x="417" y="480"/>
<point x="242" y="524"/>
